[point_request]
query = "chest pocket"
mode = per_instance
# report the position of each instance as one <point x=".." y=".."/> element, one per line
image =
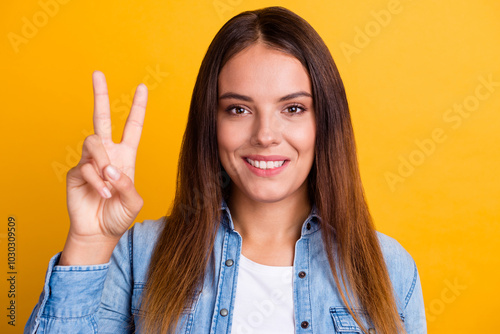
<point x="185" y="323"/>
<point x="344" y="322"/>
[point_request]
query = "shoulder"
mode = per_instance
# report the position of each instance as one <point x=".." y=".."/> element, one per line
<point x="401" y="267"/>
<point x="149" y="228"/>
<point x="141" y="239"/>
<point x="143" y="235"/>
<point x="393" y="251"/>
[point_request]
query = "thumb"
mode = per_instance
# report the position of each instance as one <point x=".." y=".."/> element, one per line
<point x="125" y="187"/>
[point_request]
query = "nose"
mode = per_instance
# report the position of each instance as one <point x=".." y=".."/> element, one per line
<point x="267" y="130"/>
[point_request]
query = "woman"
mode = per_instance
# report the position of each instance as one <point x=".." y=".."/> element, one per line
<point x="269" y="231"/>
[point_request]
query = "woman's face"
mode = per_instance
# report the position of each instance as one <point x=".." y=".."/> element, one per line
<point x="265" y="123"/>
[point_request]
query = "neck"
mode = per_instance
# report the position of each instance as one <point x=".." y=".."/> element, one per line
<point x="262" y="223"/>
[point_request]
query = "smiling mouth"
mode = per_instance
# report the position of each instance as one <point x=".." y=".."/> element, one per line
<point x="265" y="164"/>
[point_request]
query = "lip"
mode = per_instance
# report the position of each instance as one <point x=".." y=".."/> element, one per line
<point x="266" y="172"/>
<point x="266" y="157"/>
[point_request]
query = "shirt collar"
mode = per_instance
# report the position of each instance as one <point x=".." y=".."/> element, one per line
<point x="310" y="225"/>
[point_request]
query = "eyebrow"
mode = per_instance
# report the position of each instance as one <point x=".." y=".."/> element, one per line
<point x="231" y="95"/>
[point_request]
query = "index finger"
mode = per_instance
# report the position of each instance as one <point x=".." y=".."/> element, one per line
<point x="102" y="115"/>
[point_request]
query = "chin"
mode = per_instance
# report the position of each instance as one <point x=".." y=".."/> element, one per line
<point x="266" y="197"/>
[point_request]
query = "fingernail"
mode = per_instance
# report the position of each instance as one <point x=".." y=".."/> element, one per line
<point x="106" y="192"/>
<point x="112" y="172"/>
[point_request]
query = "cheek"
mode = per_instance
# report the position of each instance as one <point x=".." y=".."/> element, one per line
<point x="229" y="138"/>
<point x="302" y="136"/>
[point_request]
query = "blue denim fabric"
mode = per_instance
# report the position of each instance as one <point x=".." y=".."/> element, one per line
<point x="106" y="298"/>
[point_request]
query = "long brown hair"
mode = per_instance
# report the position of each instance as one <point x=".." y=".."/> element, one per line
<point x="183" y="251"/>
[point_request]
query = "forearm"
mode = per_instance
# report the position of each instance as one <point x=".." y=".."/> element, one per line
<point x="70" y="298"/>
<point x="73" y="295"/>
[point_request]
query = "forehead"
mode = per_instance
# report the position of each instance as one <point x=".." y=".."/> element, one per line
<point x="264" y="72"/>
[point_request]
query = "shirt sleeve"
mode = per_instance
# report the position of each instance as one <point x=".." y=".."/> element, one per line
<point x="414" y="315"/>
<point x="86" y="299"/>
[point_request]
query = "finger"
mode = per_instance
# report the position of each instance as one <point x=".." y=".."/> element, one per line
<point x="135" y="120"/>
<point x="102" y="115"/>
<point x="90" y="175"/>
<point x="93" y="149"/>
<point x="129" y="196"/>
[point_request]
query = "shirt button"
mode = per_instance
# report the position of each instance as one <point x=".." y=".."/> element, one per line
<point x="302" y="274"/>
<point x="223" y="312"/>
<point x="371" y="331"/>
<point x="304" y="324"/>
<point x="229" y="262"/>
<point x="308" y="226"/>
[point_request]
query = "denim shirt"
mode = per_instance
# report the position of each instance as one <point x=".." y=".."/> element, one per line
<point x="106" y="298"/>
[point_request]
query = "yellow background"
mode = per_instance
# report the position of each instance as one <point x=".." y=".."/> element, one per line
<point x="403" y="79"/>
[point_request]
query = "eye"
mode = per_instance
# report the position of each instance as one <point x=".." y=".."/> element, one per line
<point x="295" y="109"/>
<point x="236" y="110"/>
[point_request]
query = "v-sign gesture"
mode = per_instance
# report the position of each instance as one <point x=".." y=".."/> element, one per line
<point x="101" y="196"/>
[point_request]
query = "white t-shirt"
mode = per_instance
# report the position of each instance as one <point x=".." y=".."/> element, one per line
<point x="264" y="299"/>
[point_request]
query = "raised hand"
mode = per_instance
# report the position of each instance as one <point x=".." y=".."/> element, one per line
<point x="101" y="197"/>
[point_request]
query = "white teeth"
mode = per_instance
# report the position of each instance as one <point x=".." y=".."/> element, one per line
<point x="265" y="164"/>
